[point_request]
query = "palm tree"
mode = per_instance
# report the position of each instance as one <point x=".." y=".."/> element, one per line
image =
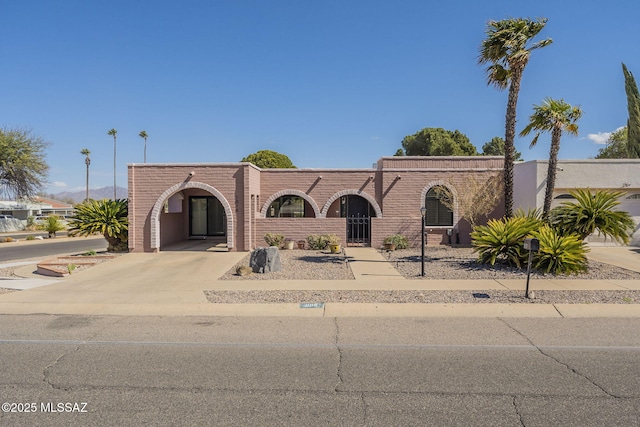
<point x="143" y="134"/>
<point x="114" y="133"/>
<point x="87" y="161"/>
<point x="506" y="50"/>
<point x="556" y="117"/>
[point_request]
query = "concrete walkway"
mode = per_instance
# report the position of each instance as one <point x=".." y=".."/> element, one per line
<point x="171" y="283"/>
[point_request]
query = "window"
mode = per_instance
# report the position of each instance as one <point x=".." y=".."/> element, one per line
<point x="634" y="196"/>
<point x="564" y="196"/>
<point x="288" y="207"/>
<point x="437" y="212"/>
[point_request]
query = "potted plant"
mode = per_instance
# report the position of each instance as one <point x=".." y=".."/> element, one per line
<point x="301" y="244"/>
<point x="334" y="243"/>
<point x="288" y="243"/>
<point x="396" y="241"/>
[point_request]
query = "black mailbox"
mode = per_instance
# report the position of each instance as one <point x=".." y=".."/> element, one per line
<point x="532" y="244"/>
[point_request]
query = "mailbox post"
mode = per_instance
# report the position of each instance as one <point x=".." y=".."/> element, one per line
<point x="532" y="245"/>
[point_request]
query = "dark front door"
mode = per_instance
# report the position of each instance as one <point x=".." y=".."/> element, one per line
<point x="206" y="217"/>
<point x="357" y="211"/>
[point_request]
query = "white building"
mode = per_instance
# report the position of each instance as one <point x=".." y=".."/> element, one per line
<point x="530" y="181"/>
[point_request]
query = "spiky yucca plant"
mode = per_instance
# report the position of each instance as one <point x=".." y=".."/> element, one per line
<point x="559" y="254"/>
<point x="591" y="212"/>
<point x="503" y="240"/>
<point x="107" y="217"/>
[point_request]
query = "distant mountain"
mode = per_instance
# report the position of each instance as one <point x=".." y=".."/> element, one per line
<point x="97" y="194"/>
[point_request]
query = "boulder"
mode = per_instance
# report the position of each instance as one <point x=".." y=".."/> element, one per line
<point x="265" y="260"/>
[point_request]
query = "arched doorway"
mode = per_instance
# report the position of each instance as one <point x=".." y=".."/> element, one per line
<point x="358" y="209"/>
<point x="206" y="212"/>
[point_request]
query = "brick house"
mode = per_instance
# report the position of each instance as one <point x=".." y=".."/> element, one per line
<point x="238" y="203"/>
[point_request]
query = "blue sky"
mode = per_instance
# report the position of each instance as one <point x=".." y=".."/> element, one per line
<point x="332" y="84"/>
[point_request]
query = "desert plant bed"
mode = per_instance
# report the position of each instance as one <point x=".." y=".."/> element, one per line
<point x="62" y="266"/>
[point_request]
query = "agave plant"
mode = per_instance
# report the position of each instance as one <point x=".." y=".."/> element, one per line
<point x="559" y="254"/>
<point x="503" y="240"/>
<point x="593" y="212"/>
<point x="107" y="217"/>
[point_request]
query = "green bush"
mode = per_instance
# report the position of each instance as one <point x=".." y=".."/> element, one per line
<point x="399" y="240"/>
<point x="108" y="217"/>
<point x="52" y="225"/>
<point x="503" y="240"/>
<point x="317" y="242"/>
<point x="274" y="239"/>
<point x="593" y="212"/>
<point x="30" y="238"/>
<point x="559" y="254"/>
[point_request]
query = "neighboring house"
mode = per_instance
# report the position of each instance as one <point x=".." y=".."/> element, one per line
<point x="608" y="174"/>
<point x="236" y="204"/>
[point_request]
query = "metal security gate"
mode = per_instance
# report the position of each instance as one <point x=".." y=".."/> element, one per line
<point x="358" y="230"/>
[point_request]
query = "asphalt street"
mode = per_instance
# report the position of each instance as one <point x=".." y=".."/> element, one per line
<point x="272" y="371"/>
<point x="51" y="247"/>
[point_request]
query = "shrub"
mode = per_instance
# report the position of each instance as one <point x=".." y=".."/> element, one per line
<point x="399" y="240"/>
<point x="274" y="239"/>
<point x="317" y="242"/>
<point x="31" y="222"/>
<point x="30" y="238"/>
<point x="559" y="254"/>
<point x="8" y="239"/>
<point x="88" y="253"/>
<point x="593" y="212"/>
<point x="108" y="217"/>
<point x="52" y="225"/>
<point x="3" y="239"/>
<point x="503" y="240"/>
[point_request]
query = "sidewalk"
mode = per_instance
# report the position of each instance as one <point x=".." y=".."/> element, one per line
<point x="172" y="284"/>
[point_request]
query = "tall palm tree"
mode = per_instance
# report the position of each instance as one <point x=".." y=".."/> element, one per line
<point x="87" y="161"/>
<point x="114" y="133"/>
<point x="143" y="134"/>
<point x="557" y="117"/>
<point x="506" y="50"/>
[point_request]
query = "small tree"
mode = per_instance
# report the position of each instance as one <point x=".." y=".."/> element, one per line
<point x="616" y="147"/>
<point x="23" y="168"/>
<point x="267" y="159"/>
<point x="495" y="147"/>
<point x="475" y="199"/>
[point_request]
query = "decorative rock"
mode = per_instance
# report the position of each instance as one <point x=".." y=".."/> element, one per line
<point x="265" y="260"/>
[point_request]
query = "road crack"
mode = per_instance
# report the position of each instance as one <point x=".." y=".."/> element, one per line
<point x="515" y="406"/>
<point x="566" y="365"/>
<point x="340" y="355"/>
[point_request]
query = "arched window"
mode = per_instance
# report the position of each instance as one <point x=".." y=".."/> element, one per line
<point x="437" y="212"/>
<point x="564" y="196"/>
<point x="634" y="196"/>
<point x="289" y="207"/>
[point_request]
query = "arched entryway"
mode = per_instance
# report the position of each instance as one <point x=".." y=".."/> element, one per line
<point x="358" y="208"/>
<point x="200" y="211"/>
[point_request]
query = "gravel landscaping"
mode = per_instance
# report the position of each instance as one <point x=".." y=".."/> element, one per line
<point x="423" y="297"/>
<point x="440" y="262"/>
<point x="460" y="263"/>
<point x="300" y="265"/>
